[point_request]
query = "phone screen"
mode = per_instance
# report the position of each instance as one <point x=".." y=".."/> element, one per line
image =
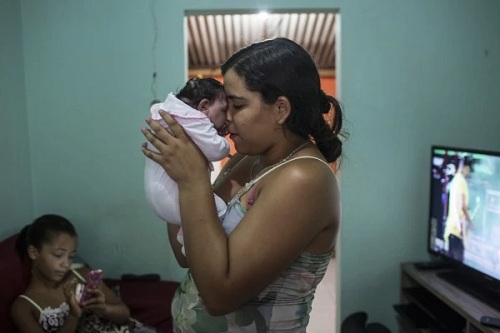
<point x="93" y="280"/>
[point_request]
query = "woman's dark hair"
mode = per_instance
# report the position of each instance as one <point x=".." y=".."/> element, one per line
<point x="42" y="231"/>
<point x="280" y="67"/>
<point x="197" y="89"/>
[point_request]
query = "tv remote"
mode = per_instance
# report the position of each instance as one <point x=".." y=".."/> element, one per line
<point x="490" y="321"/>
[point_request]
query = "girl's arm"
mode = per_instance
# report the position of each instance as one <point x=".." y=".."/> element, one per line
<point x="25" y="317"/>
<point x="106" y="304"/>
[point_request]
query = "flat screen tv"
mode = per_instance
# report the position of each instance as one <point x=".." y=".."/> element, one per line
<point x="464" y="221"/>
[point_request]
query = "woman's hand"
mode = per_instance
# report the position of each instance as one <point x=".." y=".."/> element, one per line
<point x="177" y="154"/>
<point x="69" y="293"/>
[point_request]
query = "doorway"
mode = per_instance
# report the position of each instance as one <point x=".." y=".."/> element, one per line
<point x="212" y="37"/>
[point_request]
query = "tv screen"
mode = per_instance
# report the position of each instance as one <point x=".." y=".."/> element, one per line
<point x="465" y="208"/>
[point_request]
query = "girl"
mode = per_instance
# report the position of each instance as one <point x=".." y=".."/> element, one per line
<point x="49" y="303"/>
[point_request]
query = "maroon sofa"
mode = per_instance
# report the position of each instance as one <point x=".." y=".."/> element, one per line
<point x="148" y="299"/>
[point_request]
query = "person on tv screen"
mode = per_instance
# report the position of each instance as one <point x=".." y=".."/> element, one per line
<point x="458" y="218"/>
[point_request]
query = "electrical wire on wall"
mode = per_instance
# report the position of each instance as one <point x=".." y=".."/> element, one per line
<point x="152" y="4"/>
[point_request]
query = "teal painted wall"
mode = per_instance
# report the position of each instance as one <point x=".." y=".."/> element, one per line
<point x="412" y="74"/>
<point x="16" y="197"/>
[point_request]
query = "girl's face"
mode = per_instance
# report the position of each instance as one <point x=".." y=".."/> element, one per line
<point x="54" y="259"/>
<point x="251" y="122"/>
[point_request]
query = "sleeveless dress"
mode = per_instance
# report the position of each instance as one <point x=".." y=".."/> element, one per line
<point x="284" y="305"/>
<point x="52" y="319"/>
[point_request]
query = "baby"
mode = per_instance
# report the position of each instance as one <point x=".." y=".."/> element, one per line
<point x="200" y="108"/>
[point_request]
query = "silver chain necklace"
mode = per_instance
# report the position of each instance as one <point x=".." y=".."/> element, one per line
<point x="252" y="180"/>
<point x="275" y="164"/>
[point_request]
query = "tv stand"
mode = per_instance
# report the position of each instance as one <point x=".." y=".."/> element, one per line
<point x="429" y="303"/>
<point x="478" y="290"/>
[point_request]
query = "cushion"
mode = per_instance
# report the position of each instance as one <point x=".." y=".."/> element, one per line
<point x="14" y="279"/>
<point x="148" y="300"/>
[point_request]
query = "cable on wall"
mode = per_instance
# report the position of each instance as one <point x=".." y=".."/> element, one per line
<point x="152" y="4"/>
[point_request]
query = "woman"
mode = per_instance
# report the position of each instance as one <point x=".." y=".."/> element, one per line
<point x="282" y="197"/>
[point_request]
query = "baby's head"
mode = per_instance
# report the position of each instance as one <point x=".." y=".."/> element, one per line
<point x="206" y="95"/>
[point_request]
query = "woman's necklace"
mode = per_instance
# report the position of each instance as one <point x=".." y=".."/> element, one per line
<point x="275" y="164"/>
<point x="253" y="179"/>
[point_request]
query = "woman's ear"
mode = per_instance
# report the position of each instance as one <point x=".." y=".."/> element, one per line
<point x="284" y="109"/>
<point x="32" y="252"/>
<point x="203" y="105"/>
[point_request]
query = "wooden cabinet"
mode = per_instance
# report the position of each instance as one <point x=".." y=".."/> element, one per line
<point x="429" y="304"/>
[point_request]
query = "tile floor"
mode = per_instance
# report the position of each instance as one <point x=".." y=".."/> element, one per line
<point x="323" y="313"/>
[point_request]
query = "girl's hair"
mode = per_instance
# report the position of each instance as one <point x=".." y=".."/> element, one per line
<point x="280" y="67"/>
<point x="197" y="89"/>
<point x="42" y="231"/>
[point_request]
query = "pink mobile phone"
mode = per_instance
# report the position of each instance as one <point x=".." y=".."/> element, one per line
<point x="92" y="282"/>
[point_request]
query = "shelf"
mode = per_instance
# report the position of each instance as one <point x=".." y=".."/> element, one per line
<point x="413" y="315"/>
<point x="429" y="304"/>
<point x="446" y="317"/>
<point x="482" y="292"/>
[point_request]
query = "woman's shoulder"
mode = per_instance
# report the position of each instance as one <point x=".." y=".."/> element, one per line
<point x="305" y="169"/>
<point x="299" y="180"/>
<point x="307" y="179"/>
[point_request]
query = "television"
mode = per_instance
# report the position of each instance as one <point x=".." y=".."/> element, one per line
<point x="464" y="219"/>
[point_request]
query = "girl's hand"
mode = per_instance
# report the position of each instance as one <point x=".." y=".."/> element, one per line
<point x="69" y="293"/>
<point x="96" y="303"/>
<point x="177" y="154"/>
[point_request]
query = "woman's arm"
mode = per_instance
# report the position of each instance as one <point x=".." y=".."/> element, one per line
<point x="224" y="191"/>
<point x="293" y="208"/>
<point x="173" y="230"/>
<point x="296" y="204"/>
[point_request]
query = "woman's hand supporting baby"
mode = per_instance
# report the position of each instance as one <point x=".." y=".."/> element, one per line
<point x="178" y="155"/>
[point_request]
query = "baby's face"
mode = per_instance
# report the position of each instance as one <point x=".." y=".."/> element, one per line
<point x="217" y="111"/>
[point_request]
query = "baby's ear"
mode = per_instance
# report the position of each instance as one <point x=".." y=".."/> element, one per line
<point x="203" y="105"/>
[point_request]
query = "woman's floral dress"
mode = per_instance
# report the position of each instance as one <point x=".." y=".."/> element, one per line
<point x="284" y="306"/>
